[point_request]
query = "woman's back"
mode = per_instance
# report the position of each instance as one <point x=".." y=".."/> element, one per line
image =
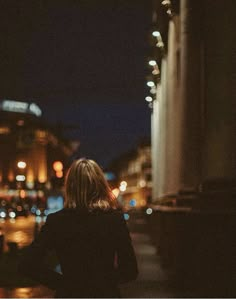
<point x="89" y="236"/>
<point x="86" y="244"/>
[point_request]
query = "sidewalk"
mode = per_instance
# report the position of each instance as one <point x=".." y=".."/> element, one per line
<point x="152" y="281"/>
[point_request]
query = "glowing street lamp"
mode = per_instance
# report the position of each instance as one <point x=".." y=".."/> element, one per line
<point x="149" y="99"/>
<point x="160" y="43"/>
<point x="168" y="6"/>
<point x="150" y="84"/>
<point x="21" y="165"/>
<point x="156" y="33"/>
<point x="152" y="63"/>
<point x="57" y="166"/>
<point x="123" y="186"/>
<point x="123" y="183"/>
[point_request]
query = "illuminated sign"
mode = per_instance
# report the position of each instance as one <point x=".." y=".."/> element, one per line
<point x="20" y="107"/>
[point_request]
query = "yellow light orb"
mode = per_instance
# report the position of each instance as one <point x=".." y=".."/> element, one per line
<point x="57" y="166"/>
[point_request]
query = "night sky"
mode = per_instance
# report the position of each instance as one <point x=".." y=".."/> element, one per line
<point x="83" y="63"/>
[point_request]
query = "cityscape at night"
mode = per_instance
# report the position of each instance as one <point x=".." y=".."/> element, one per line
<point x="146" y="89"/>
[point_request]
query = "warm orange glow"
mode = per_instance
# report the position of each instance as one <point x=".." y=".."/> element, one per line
<point x="11" y="176"/>
<point x="57" y="166"/>
<point x="22" y="193"/>
<point x="4" y="130"/>
<point x="30" y="175"/>
<point x="40" y="193"/>
<point x="42" y="178"/>
<point x="143" y="202"/>
<point x="59" y="174"/>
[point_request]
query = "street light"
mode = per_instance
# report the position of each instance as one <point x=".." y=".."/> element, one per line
<point x="123" y="186"/>
<point x="167" y="4"/>
<point x="152" y="62"/>
<point x="21" y="177"/>
<point x="149" y="99"/>
<point x="57" y="166"/>
<point x="160" y="43"/>
<point x="156" y="33"/>
<point x="21" y="165"/>
<point x="150" y="84"/>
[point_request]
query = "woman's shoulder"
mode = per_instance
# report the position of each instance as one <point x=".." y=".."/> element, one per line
<point x="113" y="213"/>
<point x="75" y="219"/>
<point x="109" y="212"/>
<point x="113" y="216"/>
<point x="54" y="216"/>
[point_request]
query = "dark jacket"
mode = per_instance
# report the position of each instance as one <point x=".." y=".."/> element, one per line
<point x="94" y="250"/>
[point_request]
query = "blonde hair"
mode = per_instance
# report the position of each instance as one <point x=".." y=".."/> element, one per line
<point x="86" y="187"/>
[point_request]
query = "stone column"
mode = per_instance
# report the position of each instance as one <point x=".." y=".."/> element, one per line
<point x="173" y="154"/>
<point x="166" y="121"/>
<point x="154" y="145"/>
<point x="219" y="148"/>
<point x="161" y="130"/>
<point x="220" y="90"/>
<point x="190" y="95"/>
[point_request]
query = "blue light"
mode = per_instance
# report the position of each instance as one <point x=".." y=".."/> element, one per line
<point x="55" y="203"/>
<point x="109" y="176"/>
<point x="126" y="216"/>
<point x="33" y="209"/>
<point x="132" y="202"/>
<point x="38" y="219"/>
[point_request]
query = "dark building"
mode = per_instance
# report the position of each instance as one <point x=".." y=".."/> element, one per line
<point x="192" y="77"/>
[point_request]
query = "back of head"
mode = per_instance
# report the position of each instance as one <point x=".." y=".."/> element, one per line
<point x="86" y="187"/>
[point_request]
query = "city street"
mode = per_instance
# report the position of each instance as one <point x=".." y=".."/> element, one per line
<point x="19" y="230"/>
<point x="144" y="93"/>
<point x="151" y="282"/>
